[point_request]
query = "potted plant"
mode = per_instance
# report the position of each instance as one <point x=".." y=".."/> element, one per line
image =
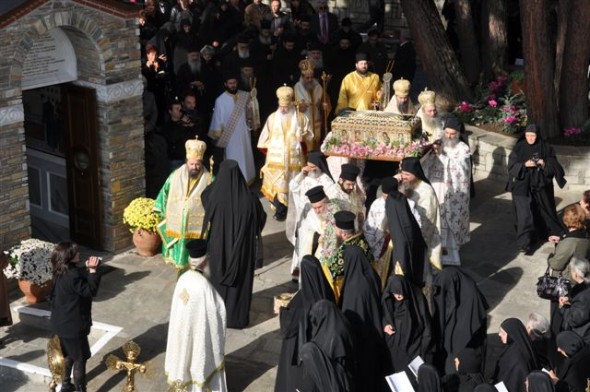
<point x="30" y="263"/>
<point x="143" y="222"/>
<point x="517" y="85"/>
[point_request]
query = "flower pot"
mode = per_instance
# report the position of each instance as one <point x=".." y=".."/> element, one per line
<point x="33" y="292"/>
<point x="147" y="242"/>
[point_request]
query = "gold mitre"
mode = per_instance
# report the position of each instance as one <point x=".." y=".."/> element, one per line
<point x="195" y="149"/>
<point x="427" y="97"/>
<point x="401" y="87"/>
<point x="306" y="66"/>
<point x="285" y="95"/>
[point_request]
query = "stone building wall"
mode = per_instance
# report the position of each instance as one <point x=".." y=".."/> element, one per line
<point x="105" y="40"/>
<point x="491" y="150"/>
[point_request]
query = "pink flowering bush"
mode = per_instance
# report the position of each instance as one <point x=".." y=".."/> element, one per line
<point x="372" y="149"/>
<point x="569" y="132"/>
<point x="496" y="105"/>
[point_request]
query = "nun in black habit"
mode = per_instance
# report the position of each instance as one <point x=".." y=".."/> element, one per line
<point x="532" y="165"/>
<point x="328" y="358"/>
<point x="407" y="324"/>
<point x="428" y="379"/>
<point x="518" y="358"/>
<point x="575" y="369"/>
<point x="361" y="305"/>
<point x="234" y="219"/>
<point x="295" y="325"/>
<point x="460" y="316"/>
<point x="469" y="372"/>
<point x="538" y="381"/>
<point x="406" y="237"/>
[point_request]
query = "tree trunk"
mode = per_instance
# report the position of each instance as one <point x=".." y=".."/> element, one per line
<point x="494" y="38"/>
<point x="573" y="97"/>
<point x="437" y="57"/>
<point x="538" y="66"/>
<point x="563" y="9"/>
<point x="467" y="41"/>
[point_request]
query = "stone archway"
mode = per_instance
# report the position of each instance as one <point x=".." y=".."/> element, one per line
<point x="108" y="60"/>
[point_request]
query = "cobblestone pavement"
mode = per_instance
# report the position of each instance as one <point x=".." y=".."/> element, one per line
<point x="135" y="295"/>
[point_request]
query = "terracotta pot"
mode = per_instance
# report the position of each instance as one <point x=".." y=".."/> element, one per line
<point x="147" y="242"/>
<point x="35" y="293"/>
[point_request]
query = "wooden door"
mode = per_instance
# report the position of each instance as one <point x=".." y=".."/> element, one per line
<point x="81" y="127"/>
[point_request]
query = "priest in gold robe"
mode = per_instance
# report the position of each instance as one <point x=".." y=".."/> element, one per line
<point x="401" y="103"/>
<point x="280" y="139"/>
<point x="308" y="97"/>
<point x="179" y="205"/>
<point x="360" y="88"/>
<point x="432" y="121"/>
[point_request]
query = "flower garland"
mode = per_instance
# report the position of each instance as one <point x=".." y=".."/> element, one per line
<point x="371" y="148"/>
<point x="30" y="260"/>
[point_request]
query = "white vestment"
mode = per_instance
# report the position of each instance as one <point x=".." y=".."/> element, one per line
<point x="353" y="201"/>
<point x="239" y="146"/>
<point x="433" y="132"/>
<point x="392" y="107"/>
<point x="375" y="227"/>
<point x="298" y="186"/>
<point x="195" y="351"/>
<point x="450" y="174"/>
<point x="430" y="224"/>
<point x="313" y="99"/>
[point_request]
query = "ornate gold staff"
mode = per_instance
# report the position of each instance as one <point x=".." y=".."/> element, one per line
<point x="211" y="164"/>
<point x="386" y="96"/>
<point x="55" y="362"/>
<point x="326" y="107"/>
<point x="132" y="351"/>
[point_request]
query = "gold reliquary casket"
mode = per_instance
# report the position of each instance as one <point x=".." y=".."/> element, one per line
<point x="373" y="135"/>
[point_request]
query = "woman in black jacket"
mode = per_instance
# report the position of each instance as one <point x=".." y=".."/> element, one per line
<point x="71" y="307"/>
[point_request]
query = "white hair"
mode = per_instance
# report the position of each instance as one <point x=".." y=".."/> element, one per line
<point x="537" y="325"/>
<point x="581" y="266"/>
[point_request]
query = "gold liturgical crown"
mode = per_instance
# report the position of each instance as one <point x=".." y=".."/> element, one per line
<point x="401" y="87"/>
<point x="427" y="97"/>
<point x="285" y="95"/>
<point x="195" y="149"/>
<point x="306" y="66"/>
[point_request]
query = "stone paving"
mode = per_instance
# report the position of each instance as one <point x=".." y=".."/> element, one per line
<point x="135" y="295"/>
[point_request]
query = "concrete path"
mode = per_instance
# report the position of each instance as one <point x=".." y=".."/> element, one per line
<point x="135" y="295"/>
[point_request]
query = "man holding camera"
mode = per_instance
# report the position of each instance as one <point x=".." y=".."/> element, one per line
<point x="532" y="165"/>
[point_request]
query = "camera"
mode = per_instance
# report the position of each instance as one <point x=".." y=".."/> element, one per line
<point x="535" y="158"/>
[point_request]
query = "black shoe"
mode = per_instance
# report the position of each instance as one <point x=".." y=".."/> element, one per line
<point x="527" y="250"/>
<point x="280" y="217"/>
<point x="67" y="387"/>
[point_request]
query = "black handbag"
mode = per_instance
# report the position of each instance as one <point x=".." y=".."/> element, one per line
<point x="551" y="287"/>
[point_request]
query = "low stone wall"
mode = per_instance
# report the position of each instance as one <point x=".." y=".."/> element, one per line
<point x="491" y="151"/>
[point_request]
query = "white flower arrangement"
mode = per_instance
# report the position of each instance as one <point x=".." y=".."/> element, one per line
<point x="30" y="260"/>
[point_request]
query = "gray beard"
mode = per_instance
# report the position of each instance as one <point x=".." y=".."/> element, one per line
<point x="309" y="85"/>
<point x="244" y="54"/>
<point x="449" y="143"/>
<point x="286" y="116"/>
<point x="195" y="66"/>
<point x="265" y="40"/>
<point x="319" y="63"/>
<point x="431" y="123"/>
<point x="315" y="174"/>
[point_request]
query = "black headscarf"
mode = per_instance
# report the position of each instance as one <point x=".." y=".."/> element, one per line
<point x="361" y="291"/>
<point x="235" y="218"/>
<point x="540" y="382"/>
<point x="330" y="330"/>
<point x="470" y="368"/>
<point x="322" y="373"/>
<point x="460" y="309"/>
<point x="319" y="159"/>
<point x="406" y="236"/>
<point x="409" y="317"/>
<point x="518" y="359"/>
<point x="412" y="165"/>
<point x="570" y="342"/>
<point x="517" y="335"/>
<point x="485" y="388"/>
<point x="428" y="379"/>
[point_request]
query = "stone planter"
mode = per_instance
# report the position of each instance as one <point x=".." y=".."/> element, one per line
<point x="147" y="242"/>
<point x="35" y="293"/>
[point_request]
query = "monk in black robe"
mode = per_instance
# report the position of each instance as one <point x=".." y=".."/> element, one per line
<point x="328" y="358"/>
<point x="296" y="328"/>
<point x="518" y="358"/>
<point x="532" y="165"/>
<point x="407" y="324"/>
<point x="360" y="303"/>
<point x="460" y="316"/>
<point x="234" y="219"/>
<point x="406" y="236"/>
